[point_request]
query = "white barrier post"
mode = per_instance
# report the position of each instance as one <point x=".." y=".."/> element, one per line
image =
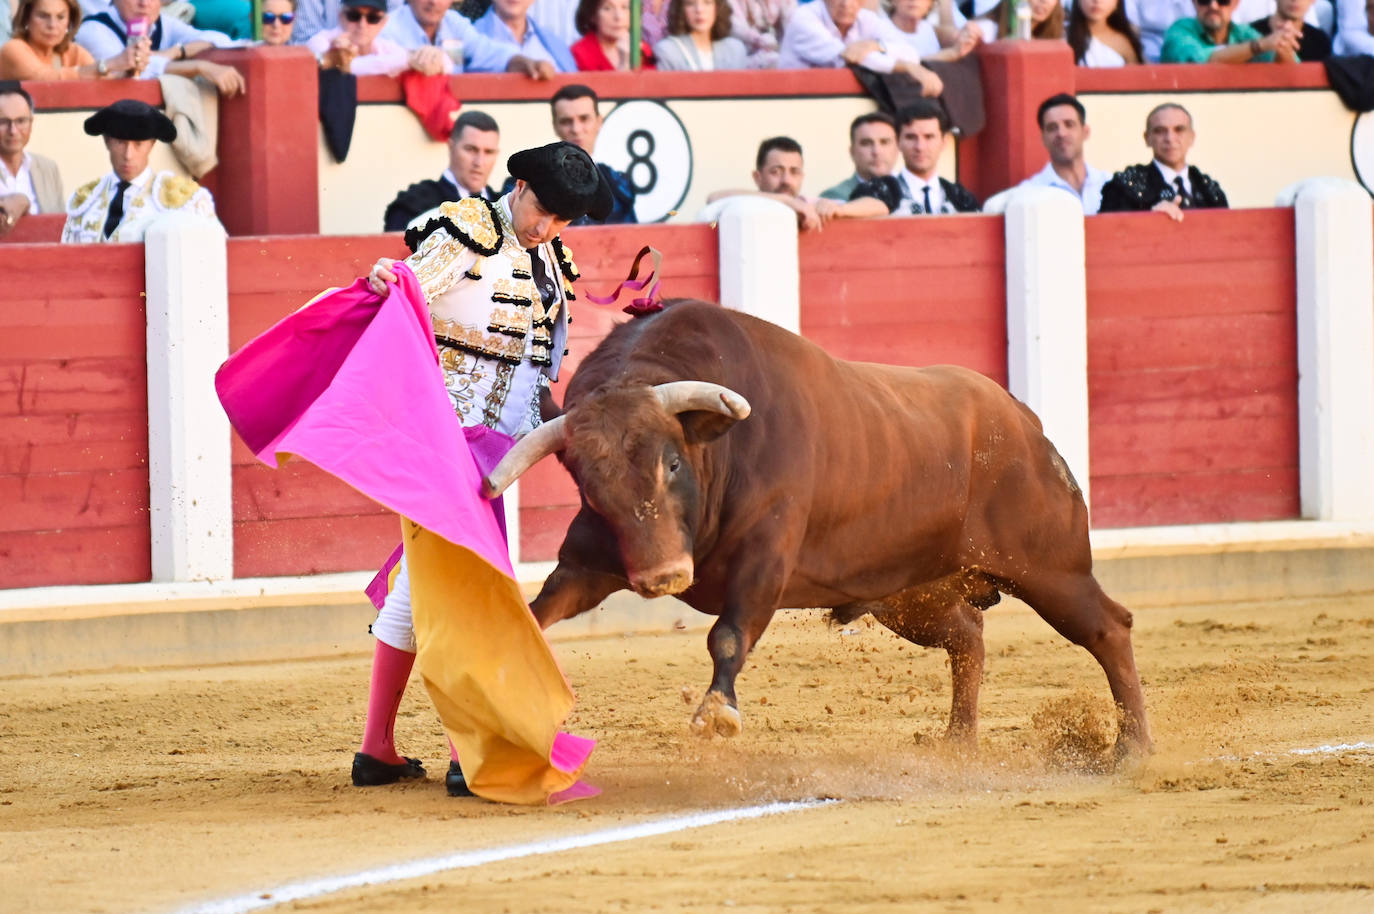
<point x="1335" y="243"/>
<point x="189" y="476"/>
<point x="759" y="270"/>
<point x="1047" y="318"/>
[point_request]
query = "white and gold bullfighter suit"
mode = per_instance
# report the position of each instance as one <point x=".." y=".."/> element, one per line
<point x="499" y="343"/>
<point x="148" y="196"/>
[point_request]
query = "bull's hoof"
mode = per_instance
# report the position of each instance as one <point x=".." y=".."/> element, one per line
<point x="717" y="717"/>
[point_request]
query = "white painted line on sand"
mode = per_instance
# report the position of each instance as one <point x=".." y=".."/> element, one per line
<point x="414" y="869"/>
<point x="1338" y="749"/>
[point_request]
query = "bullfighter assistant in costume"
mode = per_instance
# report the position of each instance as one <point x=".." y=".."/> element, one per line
<point x="122" y="205"/>
<point x="497" y="281"/>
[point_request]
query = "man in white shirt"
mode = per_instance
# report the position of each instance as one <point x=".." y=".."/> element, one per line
<point x="511" y="22"/>
<point x="172" y="44"/>
<point x="834" y="33"/>
<point x="433" y="28"/>
<point x="1063" y="130"/>
<point x="29" y="183"/>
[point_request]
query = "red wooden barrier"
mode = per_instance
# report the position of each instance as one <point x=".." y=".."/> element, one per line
<point x="1192" y="365"/>
<point x="908" y="292"/>
<point x="44" y="228"/>
<point x="73" y="417"/>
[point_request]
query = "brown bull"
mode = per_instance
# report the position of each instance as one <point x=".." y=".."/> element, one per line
<point x="914" y="494"/>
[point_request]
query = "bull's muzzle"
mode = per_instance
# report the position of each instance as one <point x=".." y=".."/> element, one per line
<point x="668" y="578"/>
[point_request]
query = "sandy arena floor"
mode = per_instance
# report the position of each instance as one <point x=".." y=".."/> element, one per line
<point x="155" y="790"/>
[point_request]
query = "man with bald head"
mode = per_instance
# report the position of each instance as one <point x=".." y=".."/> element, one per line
<point x="1168" y="184"/>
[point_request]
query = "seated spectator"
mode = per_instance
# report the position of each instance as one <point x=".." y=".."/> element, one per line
<point x="778" y="175"/>
<point x="1063" y="130"/>
<point x="29" y="183"/>
<point x="315" y="16"/>
<point x="120" y="206"/>
<point x="1354" y="27"/>
<point x="835" y="33"/>
<point x="699" y="38"/>
<point x="473" y="148"/>
<point x="169" y="45"/>
<point x="42" y="46"/>
<point x="1168" y="184"/>
<point x="872" y="149"/>
<point x="1100" y="35"/>
<point x="760" y="25"/>
<point x="577" y="120"/>
<point x="1313" y="45"/>
<point x="440" y="40"/>
<point x="917" y="188"/>
<point x="946" y="41"/>
<point x="605" y="42"/>
<point x="510" y="22"/>
<point x="278" y="21"/>
<point x="356" y="45"/>
<point x="1211" y="37"/>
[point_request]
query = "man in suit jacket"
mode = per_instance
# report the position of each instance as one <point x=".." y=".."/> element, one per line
<point x="917" y="188"/>
<point x="29" y="183"/>
<point x="1168" y="184"/>
<point x="473" y="147"/>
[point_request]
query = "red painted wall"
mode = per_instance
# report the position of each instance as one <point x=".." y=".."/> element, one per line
<point x="73" y="417"/>
<point x="918" y="292"/>
<point x="1192" y="365"/>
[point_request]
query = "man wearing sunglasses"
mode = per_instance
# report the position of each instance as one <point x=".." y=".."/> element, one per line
<point x="356" y="44"/>
<point x="448" y="42"/>
<point x="1211" y="37"/>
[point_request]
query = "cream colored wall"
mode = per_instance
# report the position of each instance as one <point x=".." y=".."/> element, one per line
<point x="390" y="150"/>
<point x="1253" y="143"/>
<point x="80" y="158"/>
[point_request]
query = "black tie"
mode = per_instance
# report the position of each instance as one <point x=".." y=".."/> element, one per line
<point x="925" y="192"/>
<point x="116" y="209"/>
<point x="1183" y="198"/>
<point x="540" y="275"/>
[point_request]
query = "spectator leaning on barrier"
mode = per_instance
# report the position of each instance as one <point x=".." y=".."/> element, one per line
<point x="510" y="22"/>
<point x="778" y="175"/>
<point x="833" y="33"/>
<point x="760" y="25"/>
<point x="605" y="42"/>
<point x="1211" y="37"/>
<point x="473" y="148"/>
<point x="120" y="206"/>
<point x="577" y="120"/>
<point x="171" y="45"/>
<point x="1354" y="27"/>
<point x="1168" y="184"/>
<point x="278" y="21"/>
<point x="1101" y="34"/>
<point x="1063" y="130"/>
<point x="917" y="188"/>
<point x="699" y="38"/>
<point x="315" y="16"/>
<point x="1313" y="44"/>
<point x="442" y="41"/>
<point x="946" y="39"/>
<point x="29" y="183"/>
<point x="872" y="149"/>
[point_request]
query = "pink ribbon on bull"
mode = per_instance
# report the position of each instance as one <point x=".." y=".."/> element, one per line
<point x="650" y="301"/>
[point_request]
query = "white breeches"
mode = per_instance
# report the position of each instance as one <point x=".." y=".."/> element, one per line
<point x="394" y="626"/>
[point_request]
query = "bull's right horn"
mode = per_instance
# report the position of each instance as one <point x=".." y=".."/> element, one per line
<point x="684" y="396"/>
<point x="545" y="440"/>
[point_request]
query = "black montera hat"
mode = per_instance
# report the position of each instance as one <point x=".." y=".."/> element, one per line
<point x="128" y="119"/>
<point x="565" y="179"/>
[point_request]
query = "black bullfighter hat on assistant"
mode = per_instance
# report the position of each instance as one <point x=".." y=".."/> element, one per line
<point x="565" y="179"/>
<point x="129" y="119"/>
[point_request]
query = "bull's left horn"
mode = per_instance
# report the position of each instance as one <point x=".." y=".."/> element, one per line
<point x="529" y="450"/>
<point x="684" y="396"/>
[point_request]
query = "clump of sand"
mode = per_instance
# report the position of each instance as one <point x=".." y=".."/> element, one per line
<point x="1075" y="733"/>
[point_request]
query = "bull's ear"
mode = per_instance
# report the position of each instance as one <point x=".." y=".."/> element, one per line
<point x="700" y="426"/>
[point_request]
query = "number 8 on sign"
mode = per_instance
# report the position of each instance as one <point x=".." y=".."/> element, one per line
<point x="646" y="141"/>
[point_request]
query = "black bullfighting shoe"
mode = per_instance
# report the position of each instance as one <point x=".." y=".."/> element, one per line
<point x="369" y="771"/>
<point x="455" y="782"/>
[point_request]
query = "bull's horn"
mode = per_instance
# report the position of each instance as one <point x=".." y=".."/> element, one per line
<point x="683" y="396"/>
<point x="529" y="450"/>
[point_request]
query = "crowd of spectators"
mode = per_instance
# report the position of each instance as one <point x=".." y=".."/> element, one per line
<point x="75" y="39"/>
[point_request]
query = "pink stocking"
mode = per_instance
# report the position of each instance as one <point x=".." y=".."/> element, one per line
<point x="390" y="673"/>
